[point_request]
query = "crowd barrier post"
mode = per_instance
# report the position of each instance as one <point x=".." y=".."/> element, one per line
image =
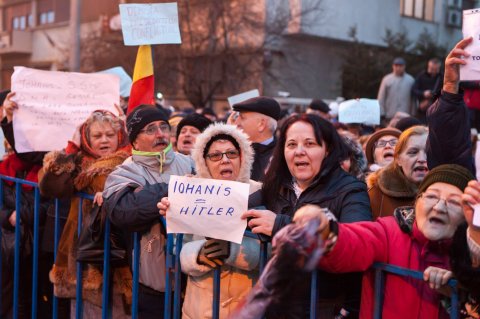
<point x="56" y="239"/>
<point x="382" y="268"/>
<point x="178" y="278"/>
<point x="16" y="263"/>
<point x="106" y="305"/>
<point x="79" y="301"/>
<point x="36" y="241"/>
<point x="135" y="275"/>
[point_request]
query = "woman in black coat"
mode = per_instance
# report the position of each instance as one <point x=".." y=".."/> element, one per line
<point x="305" y="170"/>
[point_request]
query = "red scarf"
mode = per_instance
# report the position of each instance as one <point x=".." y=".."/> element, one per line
<point x="12" y="165"/>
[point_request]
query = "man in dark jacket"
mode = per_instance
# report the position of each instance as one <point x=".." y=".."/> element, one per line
<point x="258" y="119"/>
<point x="131" y="194"/>
<point x="425" y="85"/>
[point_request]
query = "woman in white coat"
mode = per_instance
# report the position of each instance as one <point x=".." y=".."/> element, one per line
<point x="220" y="152"/>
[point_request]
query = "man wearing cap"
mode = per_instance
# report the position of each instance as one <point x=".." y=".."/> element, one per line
<point x="258" y="118"/>
<point x="131" y="194"/>
<point x="320" y="108"/>
<point x="187" y="131"/>
<point x="395" y="91"/>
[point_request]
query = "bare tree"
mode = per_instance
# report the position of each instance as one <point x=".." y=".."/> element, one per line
<point x="225" y="46"/>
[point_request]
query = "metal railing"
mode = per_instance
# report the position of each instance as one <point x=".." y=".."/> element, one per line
<point x="173" y="267"/>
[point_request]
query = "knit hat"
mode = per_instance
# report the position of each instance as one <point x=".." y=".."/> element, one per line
<point x="452" y="174"/>
<point x="370" y="146"/>
<point x="196" y="120"/>
<point x="141" y="116"/>
<point x="260" y="104"/>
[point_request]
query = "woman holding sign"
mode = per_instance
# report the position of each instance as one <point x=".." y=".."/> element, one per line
<point x="305" y="169"/>
<point x="221" y="152"/>
<point x="98" y="146"/>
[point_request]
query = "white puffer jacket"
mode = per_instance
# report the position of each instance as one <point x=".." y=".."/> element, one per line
<point x="240" y="270"/>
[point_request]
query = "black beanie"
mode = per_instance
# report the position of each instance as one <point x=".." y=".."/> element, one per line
<point x="141" y="116"/>
<point x="196" y="120"/>
<point x="452" y="174"/>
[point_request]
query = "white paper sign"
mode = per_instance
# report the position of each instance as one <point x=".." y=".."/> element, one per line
<point x="52" y="104"/>
<point x="207" y="207"/>
<point x="365" y="111"/>
<point x="476" y="215"/>
<point x="471" y="28"/>
<point x="242" y="97"/>
<point x="152" y="23"/>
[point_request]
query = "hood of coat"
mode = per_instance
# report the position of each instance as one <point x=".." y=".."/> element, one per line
<point x="392" y="182"/>
<point x="246" y="150"/>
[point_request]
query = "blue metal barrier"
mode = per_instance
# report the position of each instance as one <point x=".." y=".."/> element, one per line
<point x="173" y="267"/>
<point x="381" y="269"/>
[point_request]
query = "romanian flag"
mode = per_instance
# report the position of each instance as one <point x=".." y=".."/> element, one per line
<point x="142" y="91"/>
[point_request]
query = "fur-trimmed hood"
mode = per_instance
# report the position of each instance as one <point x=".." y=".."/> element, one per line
<point x="392" y="182"/>
<point x="246" y="150"/>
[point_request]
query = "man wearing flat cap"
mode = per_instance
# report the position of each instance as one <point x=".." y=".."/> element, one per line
<point x="258" y="119"/>
<point x="394" y="94"/>
<point x="133" y="190"/>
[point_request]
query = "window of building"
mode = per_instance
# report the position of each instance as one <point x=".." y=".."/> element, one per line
<point x="43" y="18"/>
<point x="16" y="23"/>
<point x="50" y="17"/>
<point x="23" y="23"/>
<point x="419" y="9"/>
<point x="30" y="20"/>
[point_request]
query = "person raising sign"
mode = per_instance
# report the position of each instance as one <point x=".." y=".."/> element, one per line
<point x="221" y="152"/>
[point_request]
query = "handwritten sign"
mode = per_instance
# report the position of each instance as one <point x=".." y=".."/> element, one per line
<point x="207" y="207"/>
<point x="365" y="111"/>
<point x="232" y="100"/>
<point x="471" y="28"/>
<point x="52" y="104"/>
<point x="153" y="23"/>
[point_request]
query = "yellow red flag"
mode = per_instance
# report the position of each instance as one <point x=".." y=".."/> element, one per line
<point x="143" y="85"/>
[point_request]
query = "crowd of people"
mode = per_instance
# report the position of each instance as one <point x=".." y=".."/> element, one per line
<point x="401" y="193"/>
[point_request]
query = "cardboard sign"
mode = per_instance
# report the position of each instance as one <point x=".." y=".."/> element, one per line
<point x="242" y="97"/>
<point x="364" y="111"/>
<point x="52" y="104"/>
<point x="471" y="28"/>
<point x="153" y="23"/>
<point x="207" y="207"/>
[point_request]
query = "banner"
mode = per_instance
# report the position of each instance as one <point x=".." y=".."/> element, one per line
<point x="153" y="23"/>
<point x="363" y="111"/>
<point x="52" y="104"/>
<point x="207" y="207"/>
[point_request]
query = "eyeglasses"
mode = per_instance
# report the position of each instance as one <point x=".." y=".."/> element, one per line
<point x="453" y="206"/>
<point x="215" y="157"/>
<point x="392" y="143"/>
<point x="151" y="130"/>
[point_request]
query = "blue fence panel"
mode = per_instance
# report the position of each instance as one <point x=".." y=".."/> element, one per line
<point x="173" y="267"/>
<point x="381" y="269"/>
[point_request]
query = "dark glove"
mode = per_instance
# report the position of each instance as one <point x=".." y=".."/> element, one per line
<point x="213" y="252"/>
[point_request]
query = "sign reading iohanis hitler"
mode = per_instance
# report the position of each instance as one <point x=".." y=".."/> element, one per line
<point x="207" y="207"/>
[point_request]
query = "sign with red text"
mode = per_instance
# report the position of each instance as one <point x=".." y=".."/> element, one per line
<point x="52" y="104"/>
<point x="207" y="207"/>
<point x="151" y="23"/>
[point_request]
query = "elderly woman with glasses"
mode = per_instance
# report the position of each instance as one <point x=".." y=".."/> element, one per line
<point x="396" y="184"/>
<point x="221" y="152"/>
<point x="422" y="245"/>
<point x="97" y="147"/>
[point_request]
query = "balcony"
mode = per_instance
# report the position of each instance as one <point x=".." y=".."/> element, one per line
<point x="16" y="41"/>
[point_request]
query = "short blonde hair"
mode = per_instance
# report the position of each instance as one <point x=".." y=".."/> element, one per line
<point x="405" y="136"/>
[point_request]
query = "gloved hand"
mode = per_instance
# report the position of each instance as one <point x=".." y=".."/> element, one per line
<point x="213" y="252"/>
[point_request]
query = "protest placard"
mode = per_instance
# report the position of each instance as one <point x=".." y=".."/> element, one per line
<point x="471" y="28"/>
<point x="364" y="111"/>
<point x="151" y="23"/>
<point x="52" y="104"/>
<point x="242" y="97"/>
<point x="207" y="207"/>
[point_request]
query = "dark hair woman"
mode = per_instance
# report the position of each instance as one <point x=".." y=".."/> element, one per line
<point x="304" y="170"/>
